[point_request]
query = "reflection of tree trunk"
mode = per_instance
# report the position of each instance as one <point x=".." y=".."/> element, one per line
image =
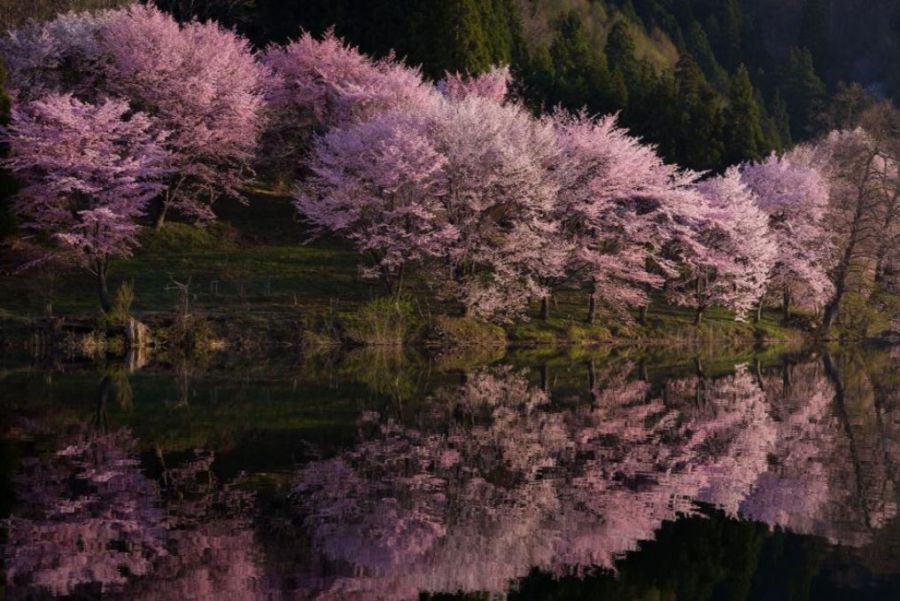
<point x="100" y="421"/>
<point x="592" y="376"/>
<point x="162" y="464"/>
<point x="643" y="314"/>
<point x="786" y="379"/>
<point x="840" y="401"/>
<point x="545" y="378"/>
<point x="757" y="370"/>
<point x="701" y="382"/>
<point x="698" y="317"/>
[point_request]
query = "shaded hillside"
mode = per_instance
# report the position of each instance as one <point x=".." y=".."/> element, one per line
<point x="854" y="40"/>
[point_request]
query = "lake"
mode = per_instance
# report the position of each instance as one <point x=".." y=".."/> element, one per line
<point x="381" y="474"/>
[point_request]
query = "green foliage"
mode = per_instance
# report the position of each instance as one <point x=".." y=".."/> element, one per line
<point x="744" y="137"/>
<point x="864" y="316"/>
<point x="804" y="93"/>
<point x="447" y="331"/>
<point x="383" y="321"/>
<point x="124" y="298"/>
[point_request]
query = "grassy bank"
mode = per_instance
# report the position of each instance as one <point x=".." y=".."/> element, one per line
<point x="251" y="279"/>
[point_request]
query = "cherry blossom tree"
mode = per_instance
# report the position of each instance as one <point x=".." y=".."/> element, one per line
<point x="201" y="83"/>
<point x="88" y="172"/>
<point x="794" y="193"/>
<point x="320" y="84"/>
<point x="379" y="185"/>
<point x="502" y="198"/>
<point x="738" y="250"/>
<point x="468" y="184"/>
<point x="58" y="56"/>
<point x="623" y="206"/>
<point x="862" y="166"/>
<point x="493" y="85"/>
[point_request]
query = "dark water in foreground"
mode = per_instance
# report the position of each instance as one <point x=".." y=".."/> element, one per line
<point x="375" y="476"/>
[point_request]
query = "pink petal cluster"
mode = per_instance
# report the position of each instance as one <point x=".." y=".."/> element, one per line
<point x="493" y="85"/>
<point x="88" y="172"/>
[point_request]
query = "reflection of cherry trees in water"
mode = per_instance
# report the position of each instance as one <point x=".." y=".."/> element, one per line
<point x="90" y="521"/>
<point x="493" y="480"/>
<point x="482" y="483"/>
<point x="212" y="549"/>
<point x="93" y="523"/>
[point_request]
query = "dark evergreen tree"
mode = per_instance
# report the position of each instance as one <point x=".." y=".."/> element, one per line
<point x="580" y="77"/>
<point x="620" y="50"/>
<point x="744" y="136"/>
<point x="804" y="92"/>
<point x="699" y="128"/>
<point x="781" y="119"/>
<point x="698" y="46"/>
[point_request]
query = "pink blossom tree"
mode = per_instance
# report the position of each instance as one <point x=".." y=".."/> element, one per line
<point x="198" y="82"/>
<point x="201" y="83"/>
<point x="320" y="84"/>
<point x="493" y="85"/>
<point x="623" y="206"/>
<point x="795" y="194"/>
<point x="62" y="55"/>
<point x="88" y="172"/>
<point x="502" y="198"/>
<point x="468" y="184"/>
<point x="380" y="185"/>
<point x="737" y="253"/>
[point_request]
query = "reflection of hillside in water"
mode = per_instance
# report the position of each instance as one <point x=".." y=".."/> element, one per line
<point x="479" y="485"/>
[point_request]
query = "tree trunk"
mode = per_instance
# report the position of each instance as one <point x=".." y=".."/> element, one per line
<point x="786" y="306"/>
<point x="545" y="307"/>
<point x="399" y="287"/>
<point x="786" y="380"/>
<point x="759" y="308"/>
<point x="161" y="215"/>
<point x="545" y="378"/>
<point x="592" y="309"/>
<point x="643" y="315"/>
<point x="103" y="289"/>
<point x="698" y="318"/>
<point x="833" y="309"/>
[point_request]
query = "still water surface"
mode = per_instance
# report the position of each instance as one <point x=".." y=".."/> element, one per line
<point x="378" y="476"/>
